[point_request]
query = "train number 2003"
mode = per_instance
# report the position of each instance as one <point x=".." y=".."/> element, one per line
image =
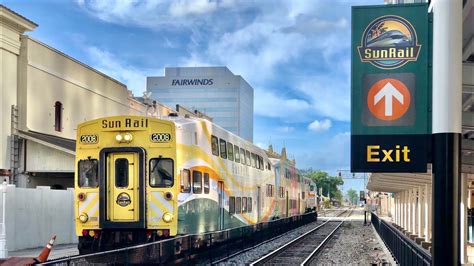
<point x="160" y="137"/>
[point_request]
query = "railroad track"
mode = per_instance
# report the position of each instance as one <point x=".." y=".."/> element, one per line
<point x="304" y="248"/>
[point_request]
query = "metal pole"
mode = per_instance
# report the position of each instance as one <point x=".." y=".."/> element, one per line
<point x="3" y="237"/>
<point x="447" y="121"/>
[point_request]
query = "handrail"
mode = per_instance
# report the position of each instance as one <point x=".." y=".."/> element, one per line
<point x="405" y="250"/>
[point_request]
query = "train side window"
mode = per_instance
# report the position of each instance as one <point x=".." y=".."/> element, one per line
<point x="230" y="151"/>
<point x="231" y="205"/>
<point x="242" y="156"/>
<point x="88" y="176"/>
<point x="121" y="172"/>
<point x="257" y="161"/>
<point x="185" y="181"/>
<point x="161" y="172"/>
<point x="215" y="145"/>
<point x="244" y="204"/>
<point x="223" y="149"/>
<point x="237" y="154"/>
<point x="249" y="204"/>
<point x="206" y="183"/>
<point x="269" y="166"/>
<point x="254" y="165"/>
<point x="238" y="205"/>
<point x="311" y="188"/>
<point x="302" y="195"/>
<point x="197" y="182"/>
<point x="247" y="157"/>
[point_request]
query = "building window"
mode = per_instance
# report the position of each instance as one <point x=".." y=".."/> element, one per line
<point x="215" y="146"/>
<point x="223" y="149"/>
<point x="206" y="183"/>
<point x="58" y="116"/>
<point x="197" y="182"/>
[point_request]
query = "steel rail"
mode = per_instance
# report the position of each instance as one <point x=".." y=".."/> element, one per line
<point x="277" y="251"/>
<point x="318" y="248"/>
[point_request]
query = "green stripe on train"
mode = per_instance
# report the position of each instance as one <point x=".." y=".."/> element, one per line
<point x="202" y="215"/>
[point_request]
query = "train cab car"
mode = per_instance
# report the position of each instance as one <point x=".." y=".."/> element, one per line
<point x="125" y="181"/>
<point x="311" y="196"/>
<point x="141" y="179"/>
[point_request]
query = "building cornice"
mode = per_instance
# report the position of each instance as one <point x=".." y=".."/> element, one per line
<point x="15" y="20"/>
<point x="12" y="26"/>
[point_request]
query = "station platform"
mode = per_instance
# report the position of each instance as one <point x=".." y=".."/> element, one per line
<point x="58" y="251"/>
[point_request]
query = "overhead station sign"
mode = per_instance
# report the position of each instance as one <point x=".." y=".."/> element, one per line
<point x="391" y="99"/>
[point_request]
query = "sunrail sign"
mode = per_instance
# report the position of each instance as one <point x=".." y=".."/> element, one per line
<point x="391" y="97"/>
<point x="389" y="42"/>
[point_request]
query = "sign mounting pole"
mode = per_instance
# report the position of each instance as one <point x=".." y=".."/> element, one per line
<point x="447" y="125"/>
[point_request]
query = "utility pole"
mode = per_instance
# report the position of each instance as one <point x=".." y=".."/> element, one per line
<point x="447" y="124"/>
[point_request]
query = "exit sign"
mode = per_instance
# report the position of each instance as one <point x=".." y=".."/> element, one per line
<point x="391" y="97"/>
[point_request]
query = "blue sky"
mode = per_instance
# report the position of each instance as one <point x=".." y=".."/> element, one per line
<point x="296" y="55"/>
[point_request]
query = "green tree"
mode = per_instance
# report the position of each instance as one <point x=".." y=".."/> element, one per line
<point x="352" y="196"/>
<point x="326" y="182"/>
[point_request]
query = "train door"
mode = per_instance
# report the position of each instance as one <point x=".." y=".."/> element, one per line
<point x="220" y="193"/>
<point x="258" y="204"/>
<point x="122" y="187"/>
<point x="287" y="204"/>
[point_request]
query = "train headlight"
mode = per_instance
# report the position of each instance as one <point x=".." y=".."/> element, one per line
<point x="167" y="217"/>
<point x="118" y="137"/>
<point x="127" y="137"/>
<point x="83" y="217"/>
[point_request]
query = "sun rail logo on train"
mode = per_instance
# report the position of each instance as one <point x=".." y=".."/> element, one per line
<point x="389" y="42"/>
<point x="125" y="123"/>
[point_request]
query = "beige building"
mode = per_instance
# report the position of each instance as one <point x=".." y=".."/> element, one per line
<point x="44" y="95"/>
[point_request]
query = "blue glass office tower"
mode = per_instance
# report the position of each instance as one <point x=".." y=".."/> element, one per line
<point x="215" y="91"/>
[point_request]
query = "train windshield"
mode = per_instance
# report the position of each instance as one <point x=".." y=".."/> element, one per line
<point x="161" y="172"/>
<point x="88" y="173"/>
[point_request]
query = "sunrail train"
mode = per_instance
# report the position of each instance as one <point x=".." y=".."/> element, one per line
<point x="140" y="179"/>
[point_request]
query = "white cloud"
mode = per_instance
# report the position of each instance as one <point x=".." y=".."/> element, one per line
<point x="269" y="104"/>
<point x="152" y="14"/>
<point x="257" y="47"/>
<point x="320" y="125"/>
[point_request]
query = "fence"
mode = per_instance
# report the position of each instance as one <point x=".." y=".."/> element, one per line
<point x="34" y="215"/>
<point x="193" y="249"/>
<point x="405" y="250"/>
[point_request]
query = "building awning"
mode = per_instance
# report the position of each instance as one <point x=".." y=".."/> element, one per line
<point x="62" y="144"/>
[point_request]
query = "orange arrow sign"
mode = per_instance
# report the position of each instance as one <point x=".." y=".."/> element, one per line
<point x="388" y="99"/>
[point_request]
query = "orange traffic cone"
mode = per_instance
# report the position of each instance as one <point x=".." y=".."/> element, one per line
<point x="46" y="250"/>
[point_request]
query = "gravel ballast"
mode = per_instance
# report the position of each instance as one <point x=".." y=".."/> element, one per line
<point x="262" y="250"/>
<point x="355" y="244"/>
